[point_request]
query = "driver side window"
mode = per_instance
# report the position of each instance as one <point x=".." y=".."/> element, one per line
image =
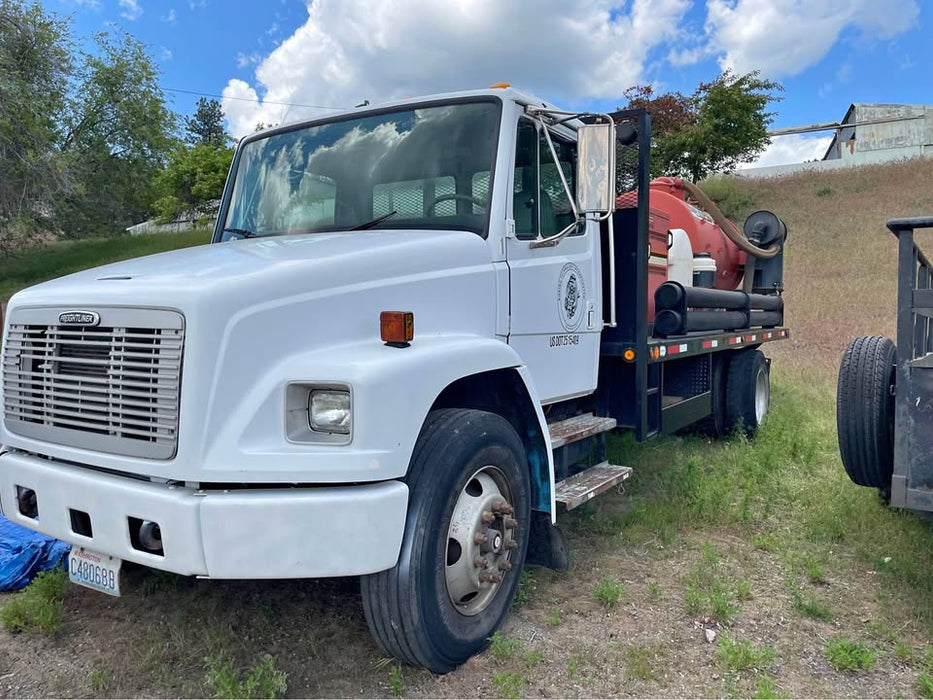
<point x="540" y="205"/>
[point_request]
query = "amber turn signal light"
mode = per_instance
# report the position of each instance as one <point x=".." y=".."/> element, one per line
<point x="397" y="327"/>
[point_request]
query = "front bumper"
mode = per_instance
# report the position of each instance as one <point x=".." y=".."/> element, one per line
<point x="245" y="533"/>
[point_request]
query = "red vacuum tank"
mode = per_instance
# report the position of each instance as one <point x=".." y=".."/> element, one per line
<point x="667" y="194"/>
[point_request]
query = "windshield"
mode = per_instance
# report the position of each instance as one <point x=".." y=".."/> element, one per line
<point x="426" y="167"/>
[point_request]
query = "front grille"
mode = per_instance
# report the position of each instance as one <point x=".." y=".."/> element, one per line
<point x="112" y="388"/>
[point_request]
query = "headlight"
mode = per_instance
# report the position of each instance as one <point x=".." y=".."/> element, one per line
<point x="329" y="411"/>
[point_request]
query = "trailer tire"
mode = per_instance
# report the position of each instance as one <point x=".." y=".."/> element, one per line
<point x="748" y="391"/>
<point x="865" y="411"/>
<point x="464" y="462"/>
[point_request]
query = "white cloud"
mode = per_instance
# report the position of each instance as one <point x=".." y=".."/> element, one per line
<point x="350" y="50"/>
<point x="793" y="148"/>
<point x="130" y="9"/>
<point x="171" y="16"/>
<point x="243" y="60"/>
<point x="784" y="37"/>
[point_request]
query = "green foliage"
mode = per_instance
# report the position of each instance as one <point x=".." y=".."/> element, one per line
<point x="925" y="685"/>
<point x="99" y="680"/>
<point x="509" y="684"/>
<point x="641" y="661"/>
<point x="609" y="591"/>
<point x="82" y="132"/>
<point x="396" y="682"/>
<point x="766" y="689"/>
<point x="554" y="619"/>
<point x="811" y="606"/>
<point x="261" y="681"/>
<point x="38" y="607"/>
<point x="741" y="655"/>
<point x="722" y="124"/>
<point x="194" y="175"/>
<point x="845" y="654"/>
<point x="206" y="127"/>
<point x="503" y="647"/>
<point x="526" y="587"/>
<point x="708" y="592"/>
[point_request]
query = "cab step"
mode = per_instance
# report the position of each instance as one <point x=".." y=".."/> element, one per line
<point x="578" y="489"/>
<point x="564" y="432"/>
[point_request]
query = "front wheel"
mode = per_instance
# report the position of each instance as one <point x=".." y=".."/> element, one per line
<point x="464" y="546"/>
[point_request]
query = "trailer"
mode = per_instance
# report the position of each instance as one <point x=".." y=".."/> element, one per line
<point x="884" y="398"/>
<point x="398" y="359"/>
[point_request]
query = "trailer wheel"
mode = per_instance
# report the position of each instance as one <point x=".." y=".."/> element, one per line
<point x="748" y="391"/>
<point x="715" y="425"/>
<point x="465" y="541"/>
<point x="865" y="411"/>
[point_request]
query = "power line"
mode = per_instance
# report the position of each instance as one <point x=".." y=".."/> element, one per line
<point x="252" y="99"/>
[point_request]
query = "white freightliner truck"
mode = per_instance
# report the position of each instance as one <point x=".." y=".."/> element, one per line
<point x="398" y="359"/>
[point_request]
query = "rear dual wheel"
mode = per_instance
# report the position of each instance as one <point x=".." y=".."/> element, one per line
<point x="464" y="545"/>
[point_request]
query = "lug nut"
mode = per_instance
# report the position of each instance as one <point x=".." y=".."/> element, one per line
<point x="510" y="523"/>
<point x="502" y="507"/>
<point x="480" y="563"/>
<point x="490" y="578"/>
<point x="479" y="538"/>
<point x="505" y="565"/>
<point x="487" y="517"/>
<point x="511" y="545"/>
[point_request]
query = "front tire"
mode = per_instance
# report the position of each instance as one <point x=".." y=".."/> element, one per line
<point x="451" y="590"/>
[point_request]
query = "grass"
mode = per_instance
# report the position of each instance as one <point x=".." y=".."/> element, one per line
<point x="503" y="647"/>
<point x="766" y="689"/>
<point x="845" y="654"/>
<point x="99" y="680"/>
<point x="609" y="591"/>
<point x="925" y="685"/>
<point x="808" y="605"/>
<point x="509" y="684"/>
<point x="38" y="607"/>
<point x="395" y="681"/>
<point x="708" y="592"/>
<point x="642" y="661"/>
<point x="46" y="262"/>
<point x="263" y="680"/>
<point x="742" y="655"/>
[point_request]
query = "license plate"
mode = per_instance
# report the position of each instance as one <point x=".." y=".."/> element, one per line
<point x="98" y="571"/>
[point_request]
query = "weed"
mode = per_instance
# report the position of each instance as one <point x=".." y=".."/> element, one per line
<point x="509" y="684"/>
<point x="766" y="689"/>
<point x="722" y="604"/>
<point x="743" y="590"/>
<point x="640" y="661"/>
<point x="609" y="591"/>
<point x="395" y="682"/>
<point x="38" y="607"/>
<point x="905" y="653"/>
<point x="741" y="655"/>
<point x="531" y="657"/>
<point x="925" y="685"/>
<point x="527" y="584"/>
<point x="573" y="667"/>
<point x="503" y="647"/>
<point x="847" y="655"/>
<point x="813" y="568"/>
<point x="554" y="619"/>
<point x="99" y="680"/>
<point x="654" y="590"/>
<point x="811" y="606"/>
<point x="261" y="681"/>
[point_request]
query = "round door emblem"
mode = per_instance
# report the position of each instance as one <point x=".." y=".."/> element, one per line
<point x="571" y="295"/>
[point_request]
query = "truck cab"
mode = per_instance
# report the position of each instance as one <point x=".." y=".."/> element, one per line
<point x="391" y="362"/>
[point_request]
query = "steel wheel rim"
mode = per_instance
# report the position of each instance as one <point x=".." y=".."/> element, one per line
<point x="762" y="395"/>
<point x="480" y="541"/>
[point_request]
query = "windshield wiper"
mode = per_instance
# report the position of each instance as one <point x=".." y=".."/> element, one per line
<point x="370" y="224"/>
<point x="246" y="233"/>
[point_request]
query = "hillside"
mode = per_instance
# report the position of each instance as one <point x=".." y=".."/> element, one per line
<point x="841" y="261"/>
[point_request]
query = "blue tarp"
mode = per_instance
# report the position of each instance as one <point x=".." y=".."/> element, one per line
<point x="24" y="553"/>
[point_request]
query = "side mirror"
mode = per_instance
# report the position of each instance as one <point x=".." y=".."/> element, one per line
<point x="596" y="168"/>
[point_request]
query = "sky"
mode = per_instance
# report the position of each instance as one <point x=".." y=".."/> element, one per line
<point x="279" y="61"/>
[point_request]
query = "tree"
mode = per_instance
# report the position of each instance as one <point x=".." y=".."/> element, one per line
<point x="722" y="124"/>
<point x="192" y="177"/>
<point x="35" y="65"/>
<point x="207" y="125"/>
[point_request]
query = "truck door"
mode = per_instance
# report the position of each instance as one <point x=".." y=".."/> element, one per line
<point x="555" y="291"/>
